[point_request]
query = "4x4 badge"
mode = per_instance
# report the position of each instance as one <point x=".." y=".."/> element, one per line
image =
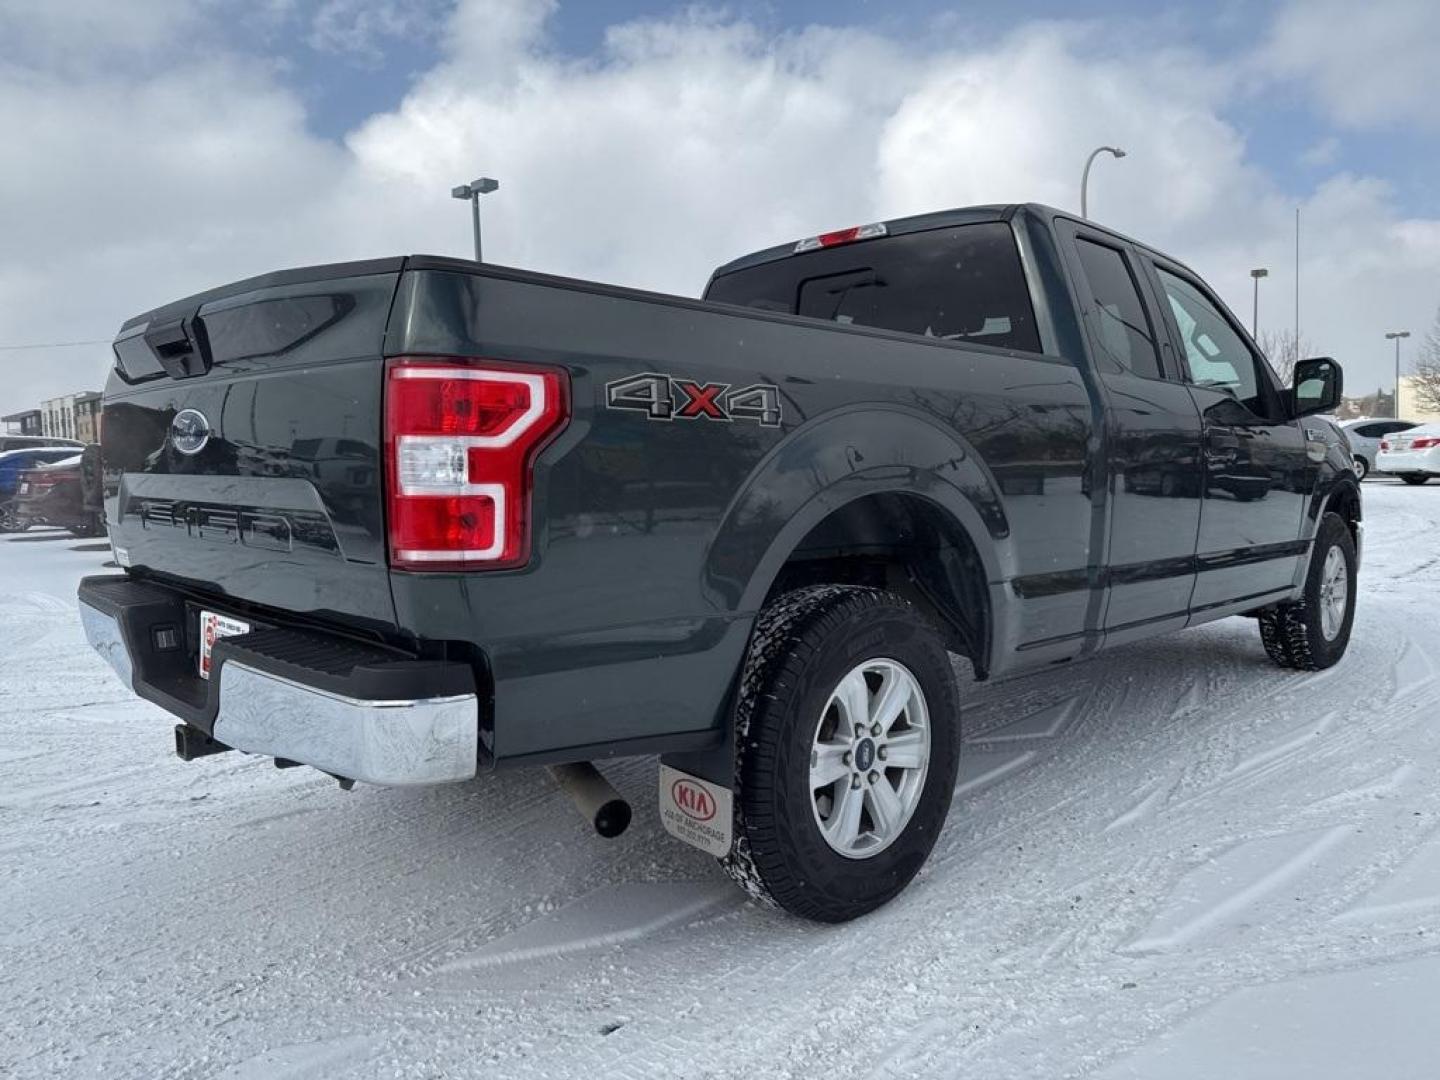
<point x="661" y="397"/>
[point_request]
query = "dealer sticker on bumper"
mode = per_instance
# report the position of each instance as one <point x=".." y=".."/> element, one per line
<point x="696" y="811"/>
<point x="214" y="626"/>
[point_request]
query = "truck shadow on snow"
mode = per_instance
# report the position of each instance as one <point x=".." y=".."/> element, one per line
<point x="522" y="877"/>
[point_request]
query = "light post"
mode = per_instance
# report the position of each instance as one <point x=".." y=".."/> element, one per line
<point x="1257" y="274"/>
<point x="1395" y="336"/>
<point x="1115" y="151"/>
<point x="473" y="191"/>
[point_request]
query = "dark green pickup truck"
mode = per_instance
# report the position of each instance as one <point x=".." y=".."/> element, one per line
<point x="410" y="520"/>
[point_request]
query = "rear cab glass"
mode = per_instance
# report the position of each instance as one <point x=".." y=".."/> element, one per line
<point x="964" y="284"/>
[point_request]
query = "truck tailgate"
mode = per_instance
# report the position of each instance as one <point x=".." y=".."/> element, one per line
<point x="242" y="443"/>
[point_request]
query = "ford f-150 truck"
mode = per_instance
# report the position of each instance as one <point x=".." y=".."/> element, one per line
<point x="411" y="520"/>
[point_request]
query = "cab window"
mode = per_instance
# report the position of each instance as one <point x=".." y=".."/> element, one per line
<point x="963" y="284"/>
<point x="1121" y="329"/>
<point x="1215" y="353"/>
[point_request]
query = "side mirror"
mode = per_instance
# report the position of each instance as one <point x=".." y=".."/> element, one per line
<point x="1319" y="383"/>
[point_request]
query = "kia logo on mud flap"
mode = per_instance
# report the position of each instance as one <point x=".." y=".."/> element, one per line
<point x="189" y="431"/>
<point x="693" y="801"/>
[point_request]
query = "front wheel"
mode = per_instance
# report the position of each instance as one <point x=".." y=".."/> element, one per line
<point x="1416" y="478"/>
<point x="1313" y="632"/>
<point x="847" y="744"/>
<point x="91" y="526"/>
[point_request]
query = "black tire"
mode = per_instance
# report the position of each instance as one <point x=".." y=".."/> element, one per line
<point x="1362" y="467"/>
<point x="805" y="642"/>
<point x="1293" y="633"/>
<point x="93" y="525"/>
<point x="1415" y="478"/>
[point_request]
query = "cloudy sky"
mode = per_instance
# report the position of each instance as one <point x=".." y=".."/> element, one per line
<point x="153" y="148"/>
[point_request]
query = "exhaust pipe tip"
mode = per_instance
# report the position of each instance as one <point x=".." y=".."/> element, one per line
<point x="613" y="818"/>
<point x="598" y="802"/>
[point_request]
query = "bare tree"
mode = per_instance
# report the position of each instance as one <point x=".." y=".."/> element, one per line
<point x="1280" y="350"/>
<point x="1380" y="403"/>
<point x="1425" y="377"/>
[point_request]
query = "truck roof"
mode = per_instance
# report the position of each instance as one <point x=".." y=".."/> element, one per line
<point x="940" y="219"/>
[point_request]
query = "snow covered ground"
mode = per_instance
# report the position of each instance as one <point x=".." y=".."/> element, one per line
<point x="1176" y="861"/>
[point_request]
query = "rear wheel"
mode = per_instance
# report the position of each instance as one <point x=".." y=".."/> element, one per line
<point x="10" y="521"/>
<point x="1362" y="468"/>
<point x="1416" y="478"/>
<point x="1313" y="632"/>
<point x="847" y="746"/>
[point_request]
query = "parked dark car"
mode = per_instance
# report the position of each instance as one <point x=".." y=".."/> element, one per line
<point x="12" y="464"/>
<point x="56" y="494"/>
<point x="414" y="519"/>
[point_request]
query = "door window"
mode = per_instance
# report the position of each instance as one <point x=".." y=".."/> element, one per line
<point x="1215" y="352"/>
<point x="1122" y="331"/>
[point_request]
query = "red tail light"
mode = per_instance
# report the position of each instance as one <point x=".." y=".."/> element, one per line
<point x="460" y="443"/>
<point x="1425" y="442"/>
<point x="39" y="482"/>
<point x="1384" y="445"/>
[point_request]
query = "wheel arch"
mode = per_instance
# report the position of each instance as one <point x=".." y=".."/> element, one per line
<point x="1341" y="497"/>
<point x="908" y="544"/>
<point x="868" y="487"/>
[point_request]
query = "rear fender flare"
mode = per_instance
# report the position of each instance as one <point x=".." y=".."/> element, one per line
<point x="835" y="459"/>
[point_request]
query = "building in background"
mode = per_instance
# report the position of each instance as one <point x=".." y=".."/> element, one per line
<point x="22" y="423"/>
<point x="73" y="416"/>
<point x="57" y="417"/>
<point x="1410" y="406"/>
<point x="87" y="416"/>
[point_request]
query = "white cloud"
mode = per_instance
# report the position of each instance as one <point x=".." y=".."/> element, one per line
<point x="362" y="28"/>
<point x="1370" y="65"/>
<point x="55" y="34"/>
<point x="683" y="142"/>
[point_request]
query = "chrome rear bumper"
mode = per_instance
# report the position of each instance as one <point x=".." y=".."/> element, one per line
<point x="398" y="743"/>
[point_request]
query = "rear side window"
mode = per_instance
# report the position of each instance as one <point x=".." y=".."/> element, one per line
<point x="1121" y="329"/>
<point x="962" y="284"/>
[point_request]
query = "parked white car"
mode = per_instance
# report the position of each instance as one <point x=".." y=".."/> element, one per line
<point x="1412" y="455"/>
<point x="1365" y="436"/>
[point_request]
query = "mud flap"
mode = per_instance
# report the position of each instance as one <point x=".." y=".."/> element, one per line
<point x="697" y="811"/>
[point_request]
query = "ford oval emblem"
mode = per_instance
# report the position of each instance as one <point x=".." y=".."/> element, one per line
<point x="189" y="431"/>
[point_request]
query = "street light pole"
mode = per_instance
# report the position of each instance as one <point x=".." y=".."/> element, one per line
<point x="1257" y="274"/>
<point x="1115" y="151"/>
<point x="473" y="191"/>
<point x="1395" y="336"/>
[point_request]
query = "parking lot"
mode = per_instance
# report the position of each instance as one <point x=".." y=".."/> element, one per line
<point x="1156" y="863"/>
